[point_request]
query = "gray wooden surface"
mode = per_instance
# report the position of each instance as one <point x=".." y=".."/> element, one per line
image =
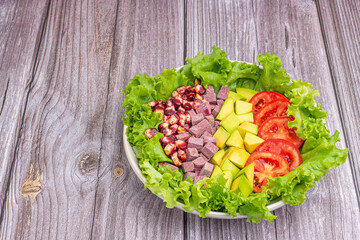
<point x="63" y="64"/>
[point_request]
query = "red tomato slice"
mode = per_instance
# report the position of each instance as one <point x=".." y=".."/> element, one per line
<point x="277" y="128"/>
<point x="276" y="108"/>
<point x="267" y="164"/>
<point x="286" y="149"/>
<point x="260" y="99"/>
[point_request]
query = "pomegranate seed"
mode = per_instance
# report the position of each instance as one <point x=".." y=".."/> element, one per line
<point x="169" y="149"/>
<point x="188" y="118"/>
<point x="182" y="155"/>
<point x="181" y="130"/>
<point x="177" y="102"/>
<point x="181" y="144"/>
<point x="174" y="119"/>
<point x="166" y="118"/>
<point x="176" y="160"/>
<point x="181" y="109"/>
<point x="153" y="104"/>
<point x="169" y="102"/>
<point x="175" y="94"/>
<point x="181" y="115"/>
<point x="187" y="105"/>
<point x="199" y="89"/>
<point x="197" y="81"/>
<point x="150" y="133"/>
<point x="170" y="111"/>
<point x="187" y="127"/>
<point x="197" y="102"/>
<point x="174" y="128"/>
<point x="167" y="140"/>
<point x="188" y="90"/>
<point x="181" y="122"/>
<point x="162" y="104"/>
<point x="164" y="125"/>
<point x="181" y="89"/>
<point x="158" y="109"/>
<point x="166" y="131"/>
<point x="189" y="96"/>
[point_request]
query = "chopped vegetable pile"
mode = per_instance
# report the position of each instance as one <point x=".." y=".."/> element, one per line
<point x="268" y="139"/>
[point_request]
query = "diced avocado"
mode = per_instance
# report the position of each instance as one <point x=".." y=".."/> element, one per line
<point x="221" y="137"/>
<point x="246" y="117"/>
<point x="239" y="157"/>
<point x="230" y="123"/>
<point x="252" y="141"/>
<point x="246" y="93"/>
<point x="248" y="171"/>
<point x="235" y="96"/>
<point x="235" y="185"/>
<point x="247" y="127"/>
<point x="226" y="109"/>
<point x="229" y="166"/>
<point x="235" y="140"/>
<point x="216" y="171"/>
<point x="242" y="107"/>
<point x="228" y="175"/>
<point x="217" y="158"/>
<point x="228" y="151"/>
<point x="245" y="187"/>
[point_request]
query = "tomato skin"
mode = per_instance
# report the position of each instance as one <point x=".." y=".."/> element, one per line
<point x="267" y="164"/>
<point x="284" y="148"/>
<point x="277" y="128"/>
<point x="276" y="108"/>
<point x="260" y="99"/>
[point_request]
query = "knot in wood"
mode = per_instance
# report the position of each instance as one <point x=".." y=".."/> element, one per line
<point x="118" y="172"/>
<point x="89" y="163"/>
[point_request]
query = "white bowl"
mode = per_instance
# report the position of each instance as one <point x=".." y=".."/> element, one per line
<point x="220" y="215"/>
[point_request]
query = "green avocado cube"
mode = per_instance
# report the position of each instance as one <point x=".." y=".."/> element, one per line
<point x="245" y="187"/>
<point x="218" y="157"/>
<point x="227" y="165"/>
<point x="216" y="171"/>
<point x="226" y="109"/>
<point x="246" y="93"/>
<point x="235" y="140"/>
<point x="221" y="136"/>
<point x="247" y="127"/>
<point x="229" y="177"/>
<point x="235" y="96"/>
<point x="251" y="142"/>
<point x="242" y="107"/>
<point x="246" y="117"/>
<point x="230" y="123"/>
<point x="248" y="171"/>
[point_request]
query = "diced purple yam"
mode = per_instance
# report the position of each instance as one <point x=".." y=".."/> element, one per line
<point x="217" y="124"/>
<point x="173" y="167"/>
<point x="197" y="143"/>
<point x="220" y="102"/>
<point x="212" y="107"/>
<point x="209" y="150"/>
<point x="197" y="118"/>
<point x="206" y="170"/>
<point x="200" y="128"/>
<point x="203" y="108"/>
<point x="192" y="175"/>
<point x="198" y="178"/>
<point x="199" y="162"/>
<point x="188" y="167"/>
<point x="191" y="154"/>
<point x="206" y="134"/>
<point x="213" y="130"/>
<point x="210" y="139"/>
<point x="203" y="156"/>
<point x="216" y="111"/>
<point x="210" y="95"/>
<point x="197" y="172"/>
<point x="192" y="113"/>
<point x="210" y="119"/>
<point x="223" y="93"/>
<point x="183" y="136"/>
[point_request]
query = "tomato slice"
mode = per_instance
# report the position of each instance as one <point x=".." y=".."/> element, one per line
<point x="286" y="149"/>
<point x="260" y="99"/>
<point x="276" y="108"/>
<point x="277" y="128"/>
<point x="267" y="164"/>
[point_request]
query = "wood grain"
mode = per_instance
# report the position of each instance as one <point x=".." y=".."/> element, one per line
<point x="149" y="37"/>
<point x="292" y="31"/>
<point x="52" y="188"/>
<point x="20" y="29"/>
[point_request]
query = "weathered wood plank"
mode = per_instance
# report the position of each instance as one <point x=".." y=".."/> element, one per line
<point x="229" y="25"/>
<point x="20" y="29"/>
<point x="292" y="31"/>
<point x="340" y="23"/>
<point x="149" y="37"/>
<point x="52" y="188"/>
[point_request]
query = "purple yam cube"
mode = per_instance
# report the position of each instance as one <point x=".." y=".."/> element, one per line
<point x="192" y="175"/>
<point x="203" y="108"/>
<point x="197" y="118"/>
<point x="210" y="95"/>
<point x="209" y="150"/>
<point x="173" y="167"/>
<point x="188" y="167"/>
<point x="210" y="139"/>
<point x="183" y="136"/>
<point x="220" y="102"/>
<point x="197" y="172"/>
<point x="206" y="134"/>
<point x="203" y="156"/>
<point x="192" y="113"/>
<point x="213" y="130"/>
<point x="198" y="178"/>
<point x="216" y="111"/>
<point x="191" y="154"/>
<point x="200" y="128"/>
<point x="217" y="124"/>
<point x="197" y="143"/>
<point x="206" y="170"/>
<point x="210" y="119"/>
<point x="212" y="107"/>
<point x="223" y="93"/>
<point x="199" y="162"/>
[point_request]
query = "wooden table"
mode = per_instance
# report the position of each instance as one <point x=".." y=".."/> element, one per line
<point x="63" y="64"/>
